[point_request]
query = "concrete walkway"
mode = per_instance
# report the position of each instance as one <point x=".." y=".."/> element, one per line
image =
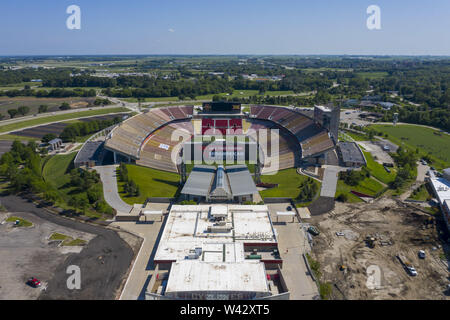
<point x="110" y="190"/>
<point x="143" y="268"/>
<point x="292" y="244"/>
<point x="329" y="183"/>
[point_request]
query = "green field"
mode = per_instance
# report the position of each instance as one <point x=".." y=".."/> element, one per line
<point x="425" y="139"/>
<point x="377" y="170"/>
<point x="62" y="117"/>
<point x="288" y="182"/>
<point x="236" y="93"/>
<point x="66" y="240"/>
<point x="22" y="222"/>
<point x="372" y="75"/>
<point x="151" y="182"/>
<point x="56" y="170"/>
<point x="420" y="194"/>
<point x="357" y="136"/>
<point x="368" y="186"/>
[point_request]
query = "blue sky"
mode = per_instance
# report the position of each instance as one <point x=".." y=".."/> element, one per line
<point x="409" y="27"/>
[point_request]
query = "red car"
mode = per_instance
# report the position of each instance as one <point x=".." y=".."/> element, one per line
<point x="33" y="282"/>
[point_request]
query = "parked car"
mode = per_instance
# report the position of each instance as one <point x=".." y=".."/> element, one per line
<point x="33" y="282"/>
<point x="422" y="254"/>
<point x="313" y="230"/>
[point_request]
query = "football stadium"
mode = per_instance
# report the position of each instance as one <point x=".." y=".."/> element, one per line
<point x="147" y="139"/>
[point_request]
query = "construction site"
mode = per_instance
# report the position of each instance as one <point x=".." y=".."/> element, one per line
<point x="382" y="250"/>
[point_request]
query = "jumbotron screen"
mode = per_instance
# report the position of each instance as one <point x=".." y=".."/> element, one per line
<point x="222" y="107"/>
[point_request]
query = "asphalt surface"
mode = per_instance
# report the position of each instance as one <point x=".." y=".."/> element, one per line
<point x="110" y="190"/>
<point x="104" y="262"/>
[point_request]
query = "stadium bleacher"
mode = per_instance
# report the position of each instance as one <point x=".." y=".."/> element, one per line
<point x="312" y="138"/>
<point x="129" y="136"/>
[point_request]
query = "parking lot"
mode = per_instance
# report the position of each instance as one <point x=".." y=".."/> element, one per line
<point x="27" y="252"/>
<point x="104" y="261"/>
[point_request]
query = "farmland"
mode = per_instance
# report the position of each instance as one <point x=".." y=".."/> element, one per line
<point x="53" y="104"/>
<point x="61" y="117"/>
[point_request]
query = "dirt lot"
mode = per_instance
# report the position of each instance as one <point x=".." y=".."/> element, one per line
<point x="402" y="230"/>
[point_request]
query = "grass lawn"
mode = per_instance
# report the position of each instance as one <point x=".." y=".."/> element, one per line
<point x="372" y="75"/>
<point x="250" y="166"/>
<point x="57" y="172"/>
<point x="151" y="182"/>
<point x="61" y="117"/>
<point x="66" y="240"/>
<point x="13" y="137"/>
<point x="420" y="194"/>
<point x="236" y="93"/>
<point x="368" y="186"/>
<point x="288" y="184"/>
<point x="357" y="136"/>
<point x="22" y="222"/>
<point x="377" y="170"/>
<point x="425" y="139"/>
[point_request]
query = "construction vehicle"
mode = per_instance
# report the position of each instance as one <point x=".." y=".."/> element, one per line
<point x="407" y="265"/>
<point x="370" y="241"/>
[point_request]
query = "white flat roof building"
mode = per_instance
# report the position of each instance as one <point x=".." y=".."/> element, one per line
<point x="192" y="277"/>
<point x="441" y="188"/>
<point x="218" y="252"/>
<point x="193" y="226"/>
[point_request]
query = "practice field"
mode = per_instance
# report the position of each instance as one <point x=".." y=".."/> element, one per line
<point x="288" y="181"/>
<point x="151" y="182"/>
<point x="425" y="139"/>
<point x="62" y="117"/>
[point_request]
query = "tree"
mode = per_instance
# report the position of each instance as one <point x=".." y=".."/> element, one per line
<point x="43" y="108"/>
<point x="23" y="110"/>
<point x="12" y="113"/>
<point x="48" y="137"/>
<point x="64" y="106"/>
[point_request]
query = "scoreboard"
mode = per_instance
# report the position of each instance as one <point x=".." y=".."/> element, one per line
<point x="227" y="107"/>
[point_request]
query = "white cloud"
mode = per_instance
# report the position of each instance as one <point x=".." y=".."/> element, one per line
<point x="171" y="30"/>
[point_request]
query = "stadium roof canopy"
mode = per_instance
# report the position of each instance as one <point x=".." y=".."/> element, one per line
<point x="199" y="181"/>
<point x="207" y="180"/>
<point x="241" y="182"/>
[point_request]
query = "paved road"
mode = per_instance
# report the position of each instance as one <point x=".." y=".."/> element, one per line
<point x="110" y="191"/>
<point x="142" y="270"/>
<point x="104" y="262"/>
